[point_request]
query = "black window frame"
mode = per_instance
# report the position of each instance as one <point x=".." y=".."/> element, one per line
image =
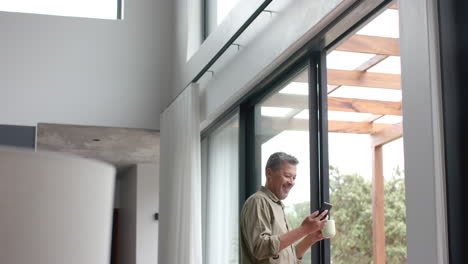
<point x="454" y="61"/>
<point x="313" y="56"/>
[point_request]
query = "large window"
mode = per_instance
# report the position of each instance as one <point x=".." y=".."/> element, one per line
<point x="105" y="9"/>
<point x="365" y="146"/>
<point x="220" y="194"/>
<point x="339" y="111"/>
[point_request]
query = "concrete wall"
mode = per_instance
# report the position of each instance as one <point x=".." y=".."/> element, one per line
<point x="122" y="147"/>
<point x="87" y="71"/>
<point x="138" y="202"/>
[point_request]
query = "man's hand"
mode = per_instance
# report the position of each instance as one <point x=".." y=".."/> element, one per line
<point x="315" y="237"/>
<point x="307" y="242"/>
<point x="312" y="223"/>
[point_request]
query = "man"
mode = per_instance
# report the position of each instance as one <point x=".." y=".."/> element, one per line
<point x="266" y="236"/>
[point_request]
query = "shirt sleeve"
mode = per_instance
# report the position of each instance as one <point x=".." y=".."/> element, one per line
<point x="257" y="229"/>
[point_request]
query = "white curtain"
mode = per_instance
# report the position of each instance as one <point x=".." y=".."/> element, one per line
<point x="222" y="195"/>
<point x="180" y="182"/>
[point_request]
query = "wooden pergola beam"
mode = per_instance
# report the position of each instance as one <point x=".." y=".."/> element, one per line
<point x="358" y="78"/>
<point x="371" y="44"/>
<point x="387" y="134"/>
<point x="280" y="124"/>
<point x="371" y="62"/>
<point x="337" y="104"/>
<point x="364" y="106"/>
<point x="364" y="79"/>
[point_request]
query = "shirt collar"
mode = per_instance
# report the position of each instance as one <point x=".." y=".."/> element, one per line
<point x="271" y="195"/>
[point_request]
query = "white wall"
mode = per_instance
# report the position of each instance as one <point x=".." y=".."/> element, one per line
<point x="187" y="39"/>
<point x="139" y="201"/>
<point x="147" y="206"/>
<point x="87" y="71"/>
<point x="126" y="249"/>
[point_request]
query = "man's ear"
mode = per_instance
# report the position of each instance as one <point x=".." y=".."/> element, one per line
<point x="268" y="173"/>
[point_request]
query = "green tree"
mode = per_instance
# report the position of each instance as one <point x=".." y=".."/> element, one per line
<point x="352" y="212"/>
<point x="395" y="218"/>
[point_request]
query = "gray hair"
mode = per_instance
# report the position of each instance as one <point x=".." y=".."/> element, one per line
<point x="278" y="158"/>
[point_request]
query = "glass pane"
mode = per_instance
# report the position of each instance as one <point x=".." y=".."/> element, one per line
<point x="220" y="196"/>
<point x="216" y="11"/>
<point x="106" y="9"/>
<point x="365" y="143"/>
<point x="281" y="125"/>
<point x="395" y="206"/>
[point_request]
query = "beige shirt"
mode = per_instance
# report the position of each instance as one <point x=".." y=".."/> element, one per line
<point x="262" y="222"/>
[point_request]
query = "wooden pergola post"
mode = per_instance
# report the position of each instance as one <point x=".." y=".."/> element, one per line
<point x="378" y="218"/>
<point x="379" y="139"/>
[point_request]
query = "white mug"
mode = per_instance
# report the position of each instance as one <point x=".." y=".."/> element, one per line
<point x="328" y="231"/>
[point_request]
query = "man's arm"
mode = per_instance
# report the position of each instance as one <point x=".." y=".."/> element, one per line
<point x="256" y="229"/>
<point x="311" y="224"/>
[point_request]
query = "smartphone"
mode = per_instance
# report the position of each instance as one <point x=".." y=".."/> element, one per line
<point x="325" y="206"/>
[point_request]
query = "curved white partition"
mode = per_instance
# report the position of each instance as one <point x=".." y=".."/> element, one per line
<point x="54" y="209"/>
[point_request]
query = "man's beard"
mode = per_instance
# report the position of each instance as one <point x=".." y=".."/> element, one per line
<point x="283" y="193"/>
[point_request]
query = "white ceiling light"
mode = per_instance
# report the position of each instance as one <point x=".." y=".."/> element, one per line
<point x="384" y="25"/>
<point x="304" y="114"/>
<point x="275" y="111"/>
<point x="366" y="93"/>
<point x="298" y="88"/>
<point x="344" y="60"/>
<point x="391" y="64"/>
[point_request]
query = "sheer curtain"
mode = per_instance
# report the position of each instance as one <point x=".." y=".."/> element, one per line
<point x="221" y="194"/>
<point x="180" y="182"/>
